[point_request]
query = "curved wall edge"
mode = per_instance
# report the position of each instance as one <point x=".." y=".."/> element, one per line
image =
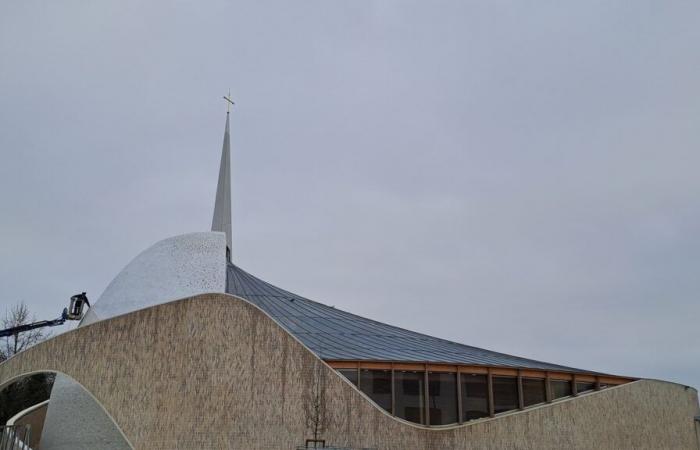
<point x="221" y="356"/>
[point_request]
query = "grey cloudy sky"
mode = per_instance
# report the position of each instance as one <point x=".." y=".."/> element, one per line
<point x="521" y="176"/>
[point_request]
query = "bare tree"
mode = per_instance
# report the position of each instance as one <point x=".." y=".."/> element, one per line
<point x="29" y="390"/>
<point x="315" y="405"/>
<point x="11" y="345"/>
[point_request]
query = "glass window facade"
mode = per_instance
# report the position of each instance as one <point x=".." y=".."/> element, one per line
<point x="377" y="385"/>
<point x="505" y="394"/>
<point x="410" y="395"/>
<point x="350" y="374"/>
<point x="433" y="398"/>
<point x="560" y="388"/>
<point x="475" y="396"/>
<point x="442" y="398"/>
<point x="584" y="387"/>
<point x="534" y="391"/>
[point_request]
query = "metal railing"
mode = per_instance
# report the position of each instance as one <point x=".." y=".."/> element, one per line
<point x="15" y="437"/>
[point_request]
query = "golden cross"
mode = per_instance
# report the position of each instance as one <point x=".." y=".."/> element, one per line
<point x="230" y="102"/>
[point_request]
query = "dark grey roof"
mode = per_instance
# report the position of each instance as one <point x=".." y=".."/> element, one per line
<point x="338" y="335"/>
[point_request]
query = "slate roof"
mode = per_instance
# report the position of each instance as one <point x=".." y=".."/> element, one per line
<point x="338" y="335"/>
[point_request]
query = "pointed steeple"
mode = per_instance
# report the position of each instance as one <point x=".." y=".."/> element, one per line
<point x="222" y="207"/>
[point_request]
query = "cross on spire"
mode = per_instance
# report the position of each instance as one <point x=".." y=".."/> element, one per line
<point x="229" y="101"/>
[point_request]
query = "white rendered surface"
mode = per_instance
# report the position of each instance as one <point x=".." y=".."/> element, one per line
<point x="177" y="267"/>
<point x="75" y="421"/>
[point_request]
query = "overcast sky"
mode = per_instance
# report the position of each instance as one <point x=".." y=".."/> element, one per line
<point x="520" y="176"/>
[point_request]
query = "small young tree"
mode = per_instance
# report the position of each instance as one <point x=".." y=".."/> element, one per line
<point x="315" y="404"/>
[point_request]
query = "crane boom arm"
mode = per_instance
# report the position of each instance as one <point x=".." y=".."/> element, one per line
<point x="31" y="326"/>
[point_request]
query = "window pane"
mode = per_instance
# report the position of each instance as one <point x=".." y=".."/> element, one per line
<point x="505" y="394"/>
<point x="409" y="395"/>
<point x="584" y="386"/>
<point x="350" y="374"/>
<point x="533" y="391"/>
<point x="475" y="400"/>
<point x="560" y="388"/>
<point x="377" y="385"/>
<point x="442" y="398"/>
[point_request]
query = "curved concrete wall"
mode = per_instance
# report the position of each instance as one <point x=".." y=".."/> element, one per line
<point x="171" y="269"/>
<point x="214" y="371"/>
<point x="34" y="416"/>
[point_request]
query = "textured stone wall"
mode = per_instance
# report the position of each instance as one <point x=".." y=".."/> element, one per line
<point x="214" y="372"/>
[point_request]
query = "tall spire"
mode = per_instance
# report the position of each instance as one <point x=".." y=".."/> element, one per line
<point x="222" y="207"/>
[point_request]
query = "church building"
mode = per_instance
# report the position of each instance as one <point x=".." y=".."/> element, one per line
<point x="185" y="349"/>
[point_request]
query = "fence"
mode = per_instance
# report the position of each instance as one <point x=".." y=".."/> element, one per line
<point x="15" y="437"/>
